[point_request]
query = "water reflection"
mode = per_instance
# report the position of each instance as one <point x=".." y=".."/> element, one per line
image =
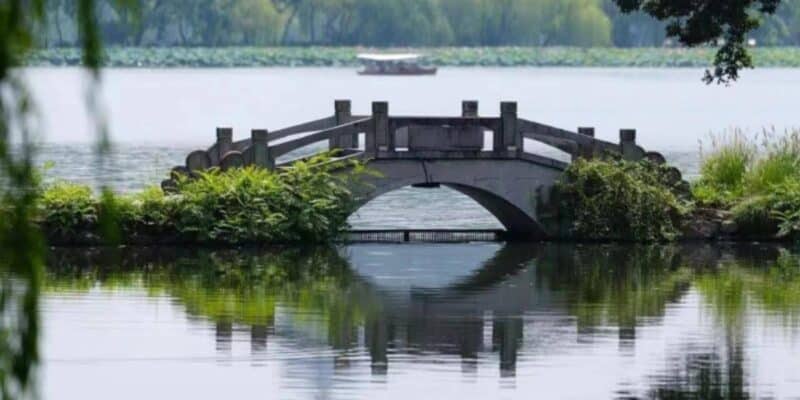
<point x="527" y="309"/>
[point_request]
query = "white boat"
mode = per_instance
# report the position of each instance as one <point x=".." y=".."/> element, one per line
<point x="394" y="64"/>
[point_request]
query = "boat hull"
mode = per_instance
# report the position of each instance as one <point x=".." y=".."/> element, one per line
<point x="420" y="71"/>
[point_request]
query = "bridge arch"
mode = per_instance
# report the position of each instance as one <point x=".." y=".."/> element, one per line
<point x="508" y="189"/>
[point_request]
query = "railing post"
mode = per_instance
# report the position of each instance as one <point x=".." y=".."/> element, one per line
<point x="469" y="108"/>
<point x="381" y="140"/>
<point x="627" y="144"/>
<point x="342" y="113"/>
<point x="224" y="142"/>
<point x="511" y="138"/>
<point x="586" y="131"/>
<point x="584" y="150"/>
<point x="260" y="146"/>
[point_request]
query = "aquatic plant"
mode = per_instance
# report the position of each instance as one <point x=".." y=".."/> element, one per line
<point x="509" y="56"/>
<point x="622" y="200"/>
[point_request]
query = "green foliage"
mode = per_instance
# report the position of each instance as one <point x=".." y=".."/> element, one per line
<point x="779" y="161"/>
<point x="622" y="200"/>
<point x="305" y="203"/>
<point x="706" y="22"/>
<point x="68" y="209"/>
<point x="754" y="217"/>
<point x="786" y="207"/>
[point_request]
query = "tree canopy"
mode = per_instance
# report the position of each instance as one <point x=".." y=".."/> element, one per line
<point x="705" y="21"/>
<point x="622" y="23"/>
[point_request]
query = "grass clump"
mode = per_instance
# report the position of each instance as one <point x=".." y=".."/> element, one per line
<point x="308" y="202"/>
<point x="723" y="169"/>
<point x="758" y="179"/>
<point x="610" y="199"/>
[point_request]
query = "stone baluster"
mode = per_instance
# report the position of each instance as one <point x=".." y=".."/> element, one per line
<point x="585" y="150"/>
<point x="224" y="142"/>
<point x="381" y="139"/>
<point x="342" y="114"/>
<point x="627" y="144"/>
<point x="511" y="137"/>
<point x="260" y="147"/>
<point x="469" y="108"/>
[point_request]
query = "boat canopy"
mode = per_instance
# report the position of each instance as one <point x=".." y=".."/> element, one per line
<point x="389" y="57"/>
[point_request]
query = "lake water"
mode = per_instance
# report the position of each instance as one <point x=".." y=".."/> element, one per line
<point x="467" y="321"/>
<point x="369" y="321"/>
<point x="157" y="116"/>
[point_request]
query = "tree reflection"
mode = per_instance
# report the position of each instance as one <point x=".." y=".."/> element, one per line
<point x="590" y="287"/>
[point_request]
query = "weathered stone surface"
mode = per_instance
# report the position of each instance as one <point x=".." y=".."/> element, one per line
<point x="655" y="157"/>
<point x="198" y="161"/>
<point x="422" y="138"/>
<point x="179" y="171"/>
<point x="232" y="159"/>
<point x="729" y="227"/>
<point x="701" y="229"/>
<point x="509" y="189"/>
<point x="169" y="186"/>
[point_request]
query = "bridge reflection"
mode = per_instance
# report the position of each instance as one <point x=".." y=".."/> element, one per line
<point x="472" y="303"/>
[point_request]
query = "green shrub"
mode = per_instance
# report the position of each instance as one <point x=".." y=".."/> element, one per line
<point x="67" y="208"/>
<point x="622" y="200"/>
<point x="305" y="203"/>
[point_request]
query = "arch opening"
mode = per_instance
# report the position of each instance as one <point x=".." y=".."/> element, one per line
<point x="422" y="206"/>
<point x="435" y="205"/>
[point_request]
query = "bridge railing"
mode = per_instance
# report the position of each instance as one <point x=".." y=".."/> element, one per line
<point x="380" y="135"/>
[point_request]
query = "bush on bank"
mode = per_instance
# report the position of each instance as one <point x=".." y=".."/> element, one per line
<point x="612" y="199"/>
<point x="305" y="203"/>
<point x="758" y="179"/>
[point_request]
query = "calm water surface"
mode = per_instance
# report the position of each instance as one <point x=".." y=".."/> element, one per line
<point x="469" y="321"/>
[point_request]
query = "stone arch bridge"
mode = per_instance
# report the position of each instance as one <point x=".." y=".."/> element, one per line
<point x="482" y="157"/>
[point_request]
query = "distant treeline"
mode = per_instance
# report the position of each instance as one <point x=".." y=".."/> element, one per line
<point x="381" y="23"/>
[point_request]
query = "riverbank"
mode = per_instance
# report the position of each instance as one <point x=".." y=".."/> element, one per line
<point x="205" y="57"/>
